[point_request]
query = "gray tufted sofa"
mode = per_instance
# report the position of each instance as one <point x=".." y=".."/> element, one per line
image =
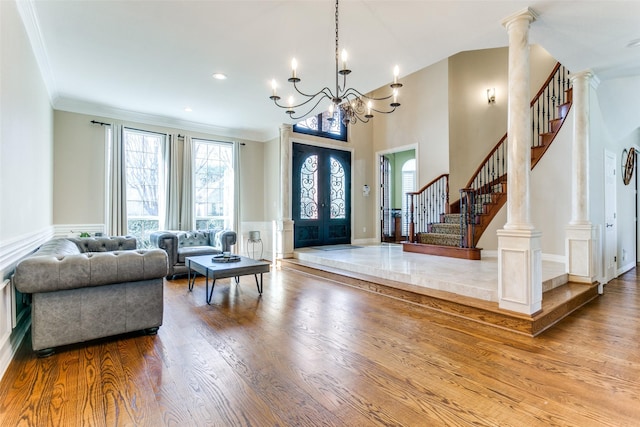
<point x="91" y="288"/>
<point x="182" y="244"/>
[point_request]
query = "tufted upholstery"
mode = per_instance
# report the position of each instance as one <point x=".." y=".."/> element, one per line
<point x="182" y="244"/>
<point x="87" y="288"/>
<point x="105" y="244"/>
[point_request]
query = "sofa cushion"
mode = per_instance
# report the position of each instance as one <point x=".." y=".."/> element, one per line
<point x="193" y="238"/>
<point x="196" y="251"/>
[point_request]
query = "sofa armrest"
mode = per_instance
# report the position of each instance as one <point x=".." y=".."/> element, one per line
<point x="223" y="240"/>
<point x="168" y="241"/>
<point x="54" y="273"/>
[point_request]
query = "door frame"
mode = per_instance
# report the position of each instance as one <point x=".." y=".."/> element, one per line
<point x="379" y="154"/>
<point x="339" y="145"/>
<point x="610" y="273"/>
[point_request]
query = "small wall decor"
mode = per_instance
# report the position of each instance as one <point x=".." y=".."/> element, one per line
<point x="629" y="164"/>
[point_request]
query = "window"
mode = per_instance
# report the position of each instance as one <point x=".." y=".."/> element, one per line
<point x="214" y="184"/>
<point x="144" y="166"/>
<point x="408" y="186"/>
<point x="320" y="125"/>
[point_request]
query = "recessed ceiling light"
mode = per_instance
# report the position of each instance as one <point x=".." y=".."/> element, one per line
<point x="634" y="43"/>
<point x="188" y="109"/>
<point x="220" y="76"/>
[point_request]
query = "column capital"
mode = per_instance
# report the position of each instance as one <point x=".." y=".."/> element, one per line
<point x="286" y="127"/>
<point x="527" y="14"/>
<point x="587" y="75"/>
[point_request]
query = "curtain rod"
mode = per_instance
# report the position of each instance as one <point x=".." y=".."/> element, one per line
<point x="100" y="123"/>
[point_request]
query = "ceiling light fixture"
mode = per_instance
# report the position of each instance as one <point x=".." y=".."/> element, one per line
<point x="220" y="76"/>
<point x="350" y="102"/>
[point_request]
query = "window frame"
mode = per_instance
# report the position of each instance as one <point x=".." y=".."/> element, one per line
<point x="320" y="132"/>
<point x="143" y="239"/>
<point x="228" y="221"/>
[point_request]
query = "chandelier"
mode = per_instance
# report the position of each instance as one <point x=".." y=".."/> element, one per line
<point x="352" y="105"/>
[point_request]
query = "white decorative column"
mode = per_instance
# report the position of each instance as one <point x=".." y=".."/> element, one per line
<point x="519" y="248"/>
<point x="283" y="227"/>
<point x="581" y="238"/>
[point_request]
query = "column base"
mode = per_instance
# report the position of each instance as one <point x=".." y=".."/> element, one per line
<point x="284" y="238"/>
<point x="520" y="271"/>
<point x="580" y="247"/>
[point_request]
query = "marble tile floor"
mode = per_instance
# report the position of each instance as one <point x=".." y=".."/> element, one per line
<point x="475" y="279"/>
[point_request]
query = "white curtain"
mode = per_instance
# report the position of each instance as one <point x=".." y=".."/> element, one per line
<point x="117" y="182"/>
<point x="236" y="190"/>
<point x="187" y="205"/>
<point x="179" y="211"/>
<point x="173" y="162"/>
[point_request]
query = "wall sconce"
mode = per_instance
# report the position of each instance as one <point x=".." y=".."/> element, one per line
<point x="491" y="95"/>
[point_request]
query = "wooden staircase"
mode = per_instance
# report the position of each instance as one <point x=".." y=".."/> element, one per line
<point x="457" y="233"/>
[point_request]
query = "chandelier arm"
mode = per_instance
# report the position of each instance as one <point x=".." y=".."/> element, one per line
<point x="325" y="90"/>
<point x="384" y="112"/>
<point x="291" y="115"/>
<point x="354" y="92"/>
<point x="320" y="94"/>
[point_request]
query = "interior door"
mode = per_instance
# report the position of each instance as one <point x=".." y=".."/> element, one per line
<point x="385" y="200"/>
<point x="610" y="229"/>
<point x="321" y="196"/>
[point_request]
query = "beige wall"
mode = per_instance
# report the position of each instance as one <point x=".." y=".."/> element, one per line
<point x="421" y="120"/>
<point x="26" y="132"/>
<point x="79" y="188"/>
<point x="475" y="126"/>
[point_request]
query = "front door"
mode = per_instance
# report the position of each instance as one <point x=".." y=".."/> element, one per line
<point x="321" y="196"/>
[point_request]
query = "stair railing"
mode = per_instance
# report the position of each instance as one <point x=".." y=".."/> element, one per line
<point x="551" y="95"/>
<point x="492" y="172"/>
<point x="427" y="205"/>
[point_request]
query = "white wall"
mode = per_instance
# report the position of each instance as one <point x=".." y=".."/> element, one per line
<point x="26" y="139"/>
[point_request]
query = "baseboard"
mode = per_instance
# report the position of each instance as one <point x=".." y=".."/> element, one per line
<point x="11" y="345"/>
<point x="625" y="268"/>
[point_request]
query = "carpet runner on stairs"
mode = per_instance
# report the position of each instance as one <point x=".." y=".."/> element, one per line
<point x="445" y="233"/>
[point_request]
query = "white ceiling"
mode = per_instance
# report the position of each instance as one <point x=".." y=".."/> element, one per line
<point x="151" y="59"/>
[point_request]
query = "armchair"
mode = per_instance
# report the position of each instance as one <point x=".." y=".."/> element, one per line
<point x="182" y="244"/>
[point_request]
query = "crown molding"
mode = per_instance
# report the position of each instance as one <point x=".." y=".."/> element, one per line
<point x="27" y="12"/>
<point x="89" y="108"/>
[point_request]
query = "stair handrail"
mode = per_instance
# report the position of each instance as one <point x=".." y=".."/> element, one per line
<point x="426" y="203"/>
<point x="492" y="172"/>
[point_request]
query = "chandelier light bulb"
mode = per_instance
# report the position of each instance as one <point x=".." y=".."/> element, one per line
<point x="294" y="67"/>
<point x="331" y="109"/>
<point x="396" y="73"/>
<point x="345" y="56"/>
<point x="290" y="100"/>
<point x="274" y="86"/>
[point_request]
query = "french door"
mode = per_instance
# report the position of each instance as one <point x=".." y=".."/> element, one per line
<point x="321" y="196"/>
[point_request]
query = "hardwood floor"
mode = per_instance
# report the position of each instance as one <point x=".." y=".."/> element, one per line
<point x="315" y="352"/>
